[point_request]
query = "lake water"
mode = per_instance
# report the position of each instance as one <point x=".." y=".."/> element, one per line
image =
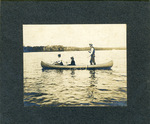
<point x="75" y="88"/>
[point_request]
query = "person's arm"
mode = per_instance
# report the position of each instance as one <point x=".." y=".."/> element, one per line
<point x="59" y="60"/>
<point x="92" y="51"/>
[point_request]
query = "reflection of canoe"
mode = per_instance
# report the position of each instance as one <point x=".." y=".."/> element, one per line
<point x="107" y="65"/>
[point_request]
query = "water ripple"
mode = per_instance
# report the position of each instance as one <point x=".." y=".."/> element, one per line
<point x="73" y="88"/>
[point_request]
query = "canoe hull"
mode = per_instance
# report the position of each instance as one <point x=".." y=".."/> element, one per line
<point x="107" y="65"/>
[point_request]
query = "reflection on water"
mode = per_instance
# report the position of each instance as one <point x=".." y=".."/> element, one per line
<point x="72" y="73"/>
<point x="63" y="88"/>
<point x="91" y="88"/>
<point x="92" y="74"/>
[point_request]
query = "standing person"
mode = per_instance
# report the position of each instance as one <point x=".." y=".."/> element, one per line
<point x="59" y="62"/>
<point x="92" y="54"/>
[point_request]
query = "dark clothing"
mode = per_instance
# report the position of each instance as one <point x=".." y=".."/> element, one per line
<point x="92" y="60"/>
<point x="72" y="62"/>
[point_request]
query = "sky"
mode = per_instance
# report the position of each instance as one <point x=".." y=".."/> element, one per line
<point x="78" y="35"/>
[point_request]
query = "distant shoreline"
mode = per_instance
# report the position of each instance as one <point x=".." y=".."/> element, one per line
<point x="61" y="48"/>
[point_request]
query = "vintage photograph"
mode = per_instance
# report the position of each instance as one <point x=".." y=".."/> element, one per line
<point x="75" y="65"/>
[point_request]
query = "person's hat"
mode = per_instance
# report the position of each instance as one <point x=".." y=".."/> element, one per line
<point x="91" y="44"/>
<point x="72" y="57"/>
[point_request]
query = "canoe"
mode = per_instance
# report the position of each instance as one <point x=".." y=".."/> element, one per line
<point x="107" y="65"/>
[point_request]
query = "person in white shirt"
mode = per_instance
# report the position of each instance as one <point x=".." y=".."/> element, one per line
<point x="92" y="54"/>
<point x="59" y="62"/>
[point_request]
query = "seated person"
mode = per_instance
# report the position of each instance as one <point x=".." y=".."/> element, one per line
<point x="59" y="62"/>
<point x="72" y="61"/>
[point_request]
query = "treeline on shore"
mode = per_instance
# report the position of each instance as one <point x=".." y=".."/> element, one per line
<point x="62" y="48"/>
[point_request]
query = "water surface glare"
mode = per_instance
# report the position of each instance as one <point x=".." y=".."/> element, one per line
<point x="62" y="88"/>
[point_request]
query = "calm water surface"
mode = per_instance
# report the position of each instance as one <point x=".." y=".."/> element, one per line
<point x="75" y="87"/>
